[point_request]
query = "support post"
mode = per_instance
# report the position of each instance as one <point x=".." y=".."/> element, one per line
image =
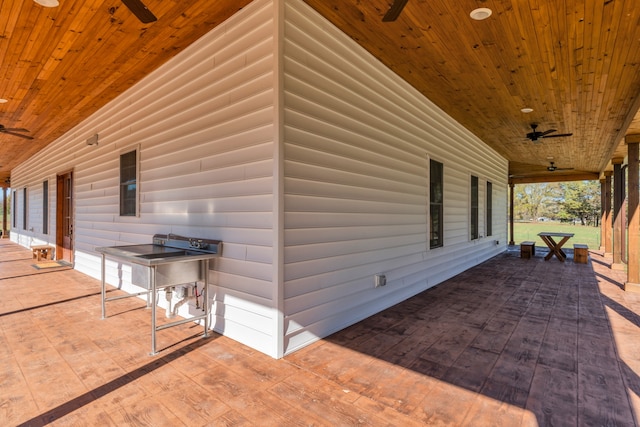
<point x="4" y="212"/>
<point x="606" y="223"/>
<point x="618" y="226"/>
<point x="603" y="212"/>
<point x="511" y="197"/>
<point x="633" y="268"/>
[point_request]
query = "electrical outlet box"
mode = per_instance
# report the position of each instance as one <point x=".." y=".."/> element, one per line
<point x="380" y="280"/>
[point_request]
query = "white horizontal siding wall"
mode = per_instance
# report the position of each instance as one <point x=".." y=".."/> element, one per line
<point x="357" y="146"/>
<point x="204" y="125"/>
<point x="34" y="233"/>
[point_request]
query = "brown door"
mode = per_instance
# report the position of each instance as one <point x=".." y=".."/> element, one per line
<point x="64" y="217"/>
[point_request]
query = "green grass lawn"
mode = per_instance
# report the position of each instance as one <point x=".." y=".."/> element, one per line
<point x="587" y="235"/>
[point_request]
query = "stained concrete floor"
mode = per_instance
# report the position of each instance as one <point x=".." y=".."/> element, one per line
<point x="511" y="342"/>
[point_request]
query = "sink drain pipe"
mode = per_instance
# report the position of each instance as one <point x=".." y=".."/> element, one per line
<point x="187" y="296"/>
<point x="168" y="294"/>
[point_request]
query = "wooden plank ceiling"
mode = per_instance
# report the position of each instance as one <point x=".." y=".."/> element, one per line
<point x="59" y="65"/>
<point x="574" y="62"/>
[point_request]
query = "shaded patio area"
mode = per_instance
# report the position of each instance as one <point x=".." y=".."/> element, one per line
<point x="510" y="342"/>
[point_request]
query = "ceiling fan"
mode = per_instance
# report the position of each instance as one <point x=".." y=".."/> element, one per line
<point x="534" y="135"/>
<point x="552" y="168"/>
<point x="394" y="10"/>
<point x="141" y="11"/>
<point x="13" y="131"/>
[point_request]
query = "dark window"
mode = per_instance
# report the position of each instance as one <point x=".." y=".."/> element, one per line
<point x="45" y="207"/>
<point x="436" y="210"/>
<point x="489" y="209"/>
<point x="474" y="207"/>
<point x="14" y="216"/>
<point x="128" y="183"/>
<point x="24" y="208"/>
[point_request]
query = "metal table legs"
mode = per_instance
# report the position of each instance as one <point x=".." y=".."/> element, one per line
<point x="154" y="293"/>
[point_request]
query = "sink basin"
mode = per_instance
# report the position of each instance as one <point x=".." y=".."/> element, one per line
<point x="173" y="265"/>
<point x="164" y="255"/>
<point x="151" y="254"/>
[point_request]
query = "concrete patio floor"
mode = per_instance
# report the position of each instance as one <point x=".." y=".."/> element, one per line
<point x="511" y="342"/>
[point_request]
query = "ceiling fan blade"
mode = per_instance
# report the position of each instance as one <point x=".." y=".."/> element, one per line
<point x="394" y="11"/>
<point x="552" y="168"/>
<point x="559" y="135"/>
<point x="4" y="129"/>
<point x="140" y="11"/>
<point x="8" y="132"/>
<point x="547" y="132"/>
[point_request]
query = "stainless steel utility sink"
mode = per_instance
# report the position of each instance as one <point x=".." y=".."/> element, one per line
<point x="155" y="254"/>
<point x="170" y="260"/>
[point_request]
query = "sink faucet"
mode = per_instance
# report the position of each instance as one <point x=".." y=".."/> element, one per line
<point x="197" y="244"/>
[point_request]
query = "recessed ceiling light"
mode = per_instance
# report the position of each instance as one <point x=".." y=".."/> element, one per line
<point x="3" y="101"/>
<point x="526" y="110"/>
<point x="48" y="3"/>
<point x="480" y="13"/>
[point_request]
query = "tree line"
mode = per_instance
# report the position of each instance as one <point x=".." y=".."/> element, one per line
<point x="577" y="201"/>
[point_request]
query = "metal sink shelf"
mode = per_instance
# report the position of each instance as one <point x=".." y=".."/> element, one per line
<point x="170" y="260"/>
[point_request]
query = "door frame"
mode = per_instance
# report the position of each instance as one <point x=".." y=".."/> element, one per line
<point x="60" y="202"/>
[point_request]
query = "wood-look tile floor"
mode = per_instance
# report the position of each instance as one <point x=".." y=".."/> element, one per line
<point x="511" y="342"/>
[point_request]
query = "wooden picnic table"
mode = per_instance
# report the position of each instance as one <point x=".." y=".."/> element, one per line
<point x="555" y="248"/>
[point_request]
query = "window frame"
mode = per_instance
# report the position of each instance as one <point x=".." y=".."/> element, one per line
<point x="489" y="209"/>
<point x="474" y="208"/>
<point x="45" y="207"/>
<point x="14" y="217"/>
<point x="25" y="207"/>
<point x="127" y="180"/>
<point x="436" y="206"/>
